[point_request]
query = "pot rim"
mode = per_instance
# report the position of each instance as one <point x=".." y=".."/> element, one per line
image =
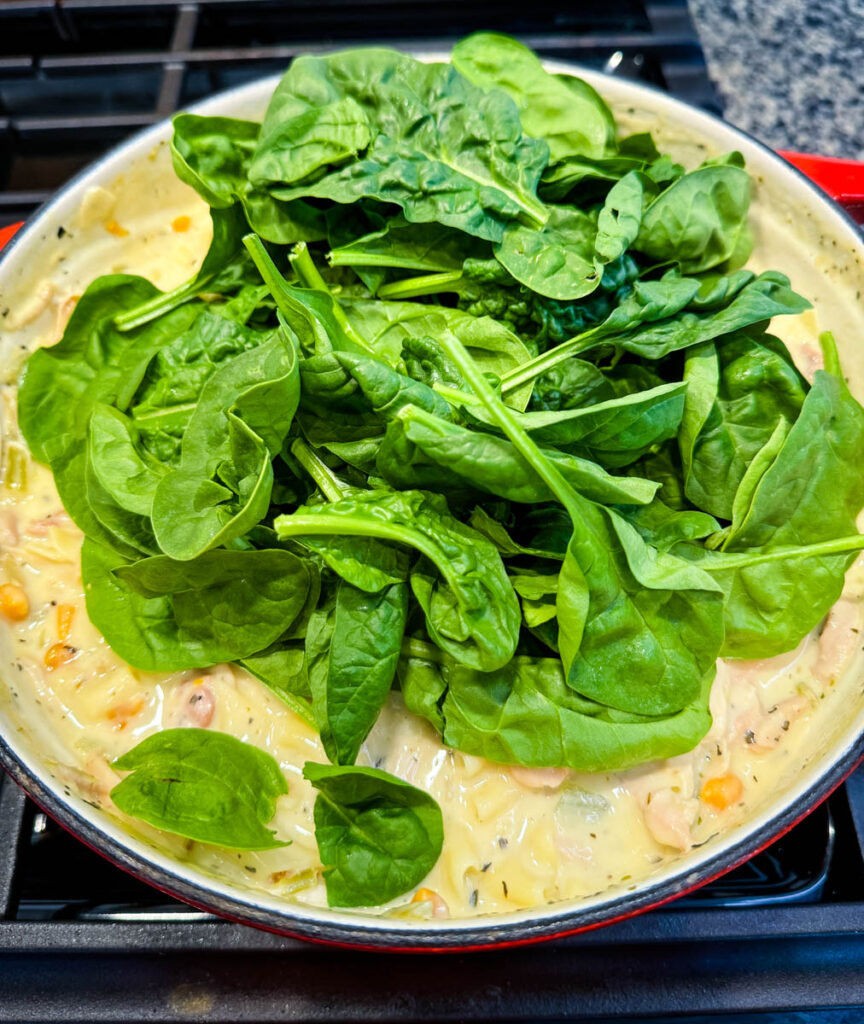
<point x="462" y="934"/>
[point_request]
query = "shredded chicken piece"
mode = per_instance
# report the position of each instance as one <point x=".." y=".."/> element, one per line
<point x="838" y="640"/>
<point x="669" y="816"/>
<point x="763" y="670"/>
<point x="539" y="778"/>
<point x="32" y="308"/>
<point x="192" y="704"/>
<point x="40" y="527"/>
<point x="763" y="731"/>
<point x="810" y="360"/>
<point x="9" y="535"/>
<point x="65" y="307"/>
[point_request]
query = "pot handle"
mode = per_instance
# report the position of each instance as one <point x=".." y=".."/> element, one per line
<point x="843" y="180"/>
<point x="7" y="232"/>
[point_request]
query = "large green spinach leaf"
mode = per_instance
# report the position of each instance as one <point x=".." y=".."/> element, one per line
<point x="221" y="485"/>
<point x="424" y="450"/>
<point x="352" y="645"/>
<point x="162" y="616"/>
<point x="810" y="494"/>
<point x="526" y="714"/>
<point x="460" y="583"/>
<point x="376" y="124"/>
<point x="378" y="836"/>
<point x="565" y="111"/>
<point x="738" y="390"/>
<point x="203" y="785"/>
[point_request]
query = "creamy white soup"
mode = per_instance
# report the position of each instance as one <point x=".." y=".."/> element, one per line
<point x="514" y="837"/>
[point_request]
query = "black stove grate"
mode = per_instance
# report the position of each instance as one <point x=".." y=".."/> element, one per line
<point x="82" y="941"/>
<point x="78" y="76"/>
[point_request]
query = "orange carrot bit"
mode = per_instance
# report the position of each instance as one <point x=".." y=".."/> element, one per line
<point x="59" y="654"/>
<point x="181" y="224"/>
<point x="13" y="602"/>
<point x="121" y="713"/>
<point x="65" y="615"/>
<point x="113" y="228"/>
<point x="439" y="907"/>
<point x="723" y="791"/>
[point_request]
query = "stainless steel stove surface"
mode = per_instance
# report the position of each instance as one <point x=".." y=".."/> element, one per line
<point x="780" y="939"/>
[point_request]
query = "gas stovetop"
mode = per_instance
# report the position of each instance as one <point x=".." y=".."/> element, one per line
<point x="82" y="941"/>
<point x="77" y="76"/>
<point x="780" y="939"/>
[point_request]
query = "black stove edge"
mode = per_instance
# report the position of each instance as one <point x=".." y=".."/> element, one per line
<point x="794" y="921"/>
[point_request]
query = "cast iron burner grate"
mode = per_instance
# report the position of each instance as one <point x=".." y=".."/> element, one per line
<point x="80" y="940"/>
<point x="77" y="76"/>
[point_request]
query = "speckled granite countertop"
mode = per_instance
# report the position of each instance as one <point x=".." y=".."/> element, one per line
<point x="790" y="72"/>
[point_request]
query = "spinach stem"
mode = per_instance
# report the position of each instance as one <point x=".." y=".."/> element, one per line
<point x="540" y="364"/>
<point x="328" y="483"/>
<point x="425" y="284"/>
<point x="160" y="304"/>
<point x="830" y="357"/>
<point x="359" y="526"/>
<point x="454" y="395"/>
<point x="304" y="265"/>
<point x="310" y="277"/>
<point x="347" y="257"/>
<point x="731" y="560"/>
<point x="505" y="419"/>
<point x="414" y="648"/>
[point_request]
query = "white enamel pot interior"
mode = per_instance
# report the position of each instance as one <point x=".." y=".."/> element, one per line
<point x="797" y="230"/>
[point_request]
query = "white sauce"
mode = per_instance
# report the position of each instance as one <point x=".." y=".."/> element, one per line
<point x="514" y="838"/>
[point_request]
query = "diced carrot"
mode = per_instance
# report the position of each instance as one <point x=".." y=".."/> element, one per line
<point x="13" y="602"/>
<point x="723" y="791"/>
<point x="65" y="615"/>
<point x="181" y="224"/>
<point x="113" y="228"/>
<point x="439" y="906"/>
<point x="121" y="713"/>
<point x="59" y="654"/>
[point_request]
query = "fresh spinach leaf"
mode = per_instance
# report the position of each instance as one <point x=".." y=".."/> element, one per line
<point x="212" y="155"/>
<point x="221" y="485"/>
<point x="161" y="615"/>
<point x="564" y="111"/>
<point x="700" y="220"/>
<point x="376" y="124"/>
<point x="615" y="432"/>
<point x="203" y="785"/>
<point x="421" y="449"/>
<point x="556" y="260"/>
<point x="352" y="646"/>
<point x="738" y="390"/>
<point x="378" y="836"/>
<point x="810" y="494"/>
<point x="460" y="583"/>
<point x="525" y="713"/>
